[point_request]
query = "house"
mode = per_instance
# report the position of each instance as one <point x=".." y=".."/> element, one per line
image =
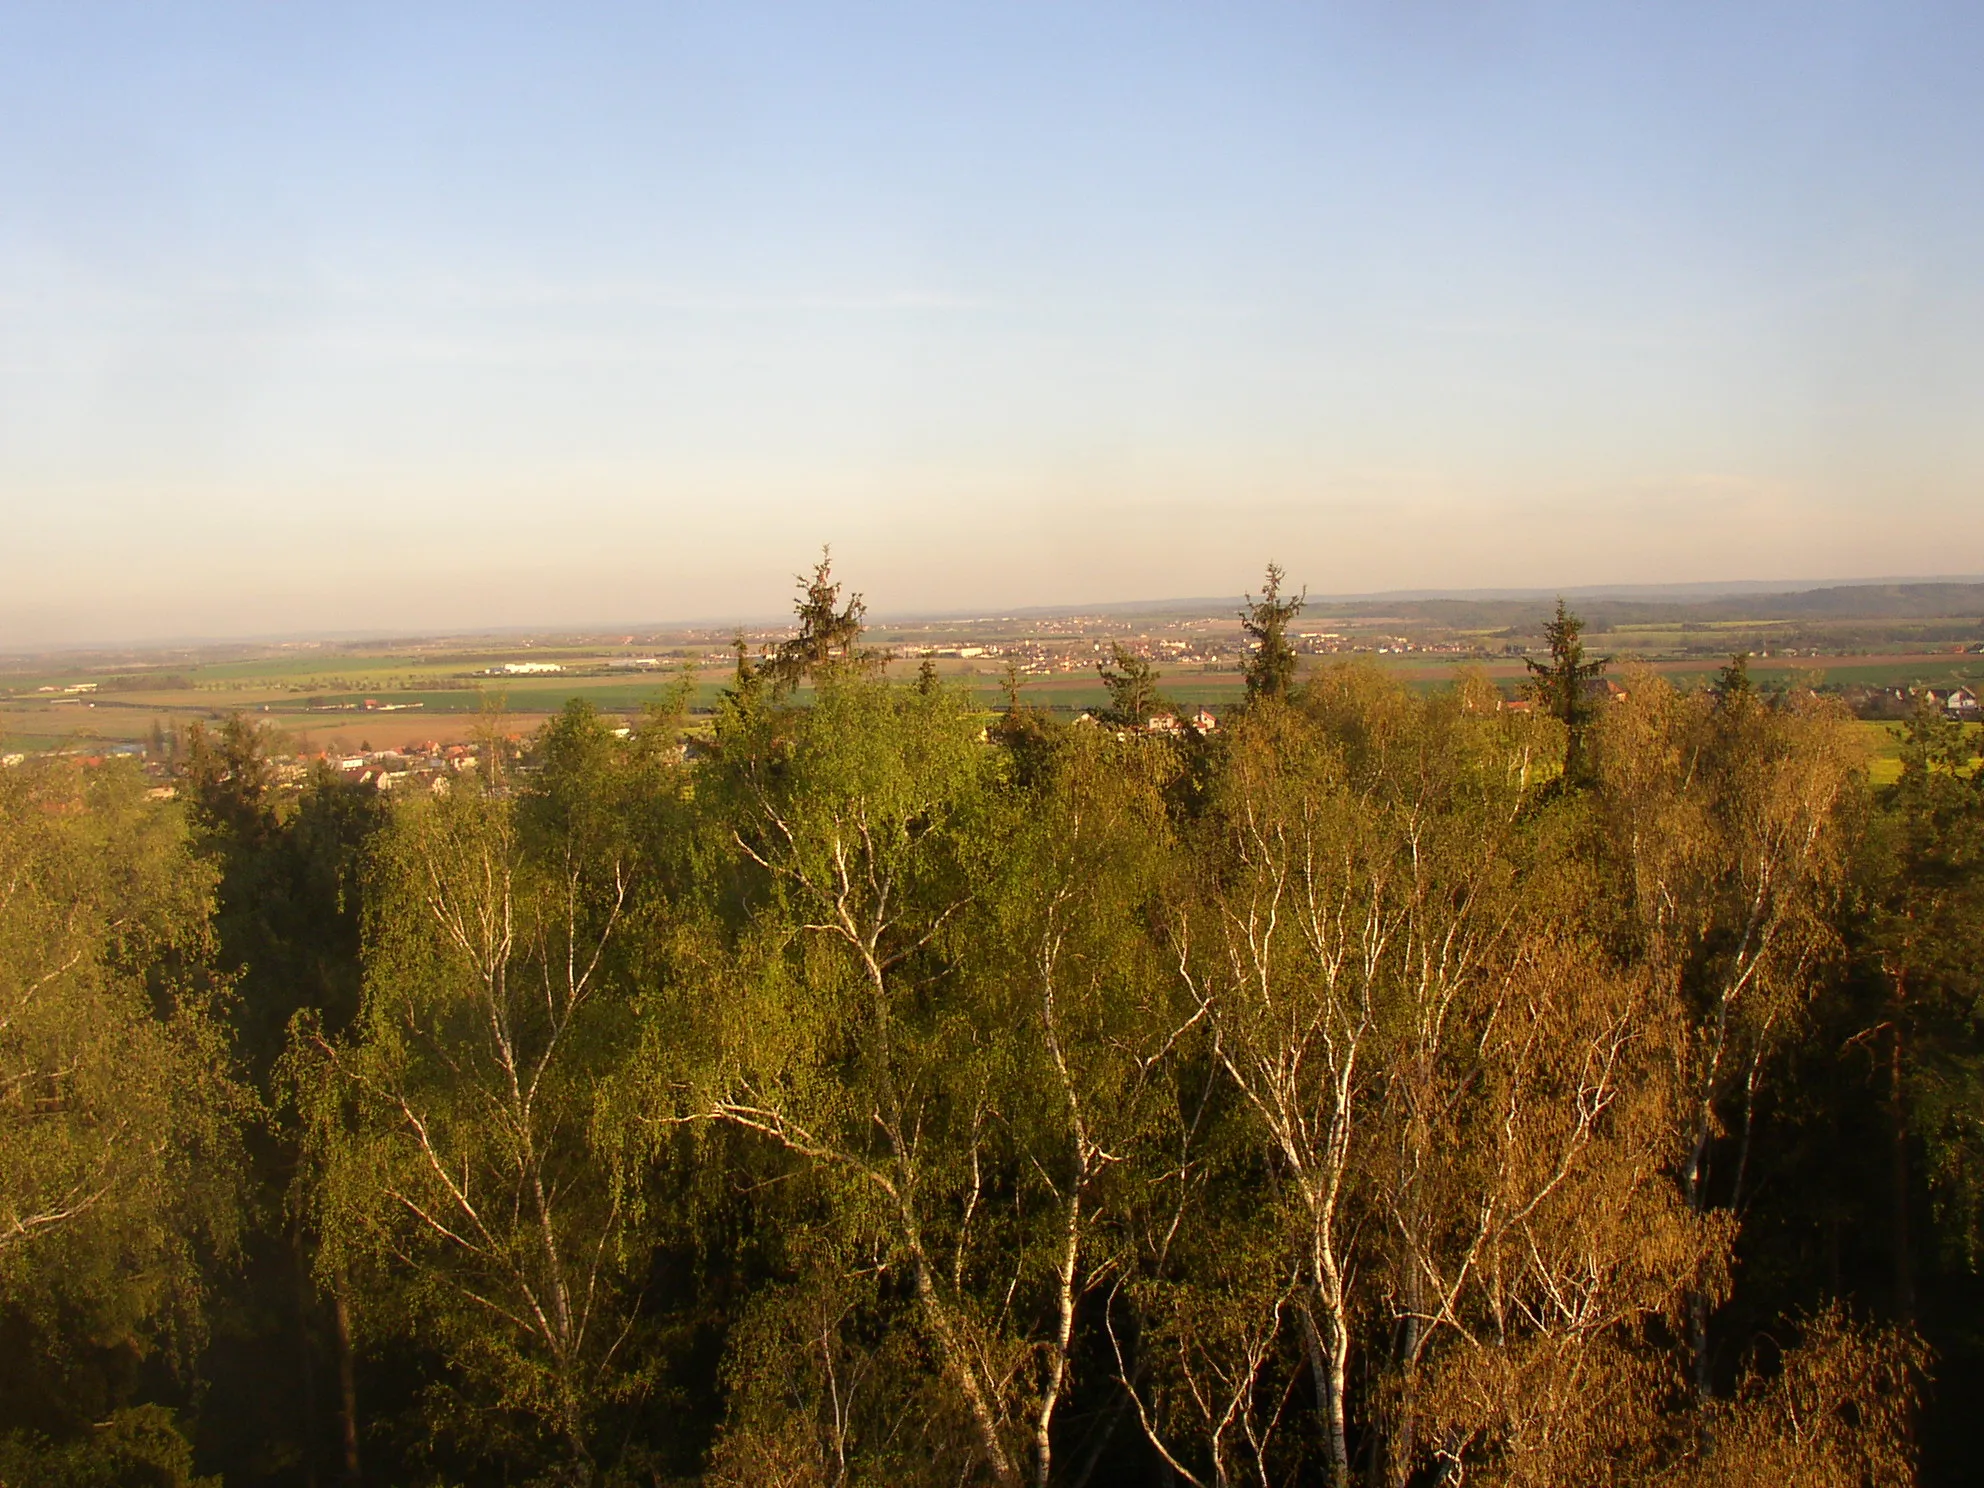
<point x="1516" y="705"/>
<point x="1163" y="723"/>
<point x="1960" y="702"/>
<point x="1204" y="721"/>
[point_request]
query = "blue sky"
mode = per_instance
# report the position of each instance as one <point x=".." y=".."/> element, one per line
<point x="433" y="316"/>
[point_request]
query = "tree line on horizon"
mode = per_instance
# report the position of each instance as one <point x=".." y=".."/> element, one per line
<point x="1382" y="1089"/>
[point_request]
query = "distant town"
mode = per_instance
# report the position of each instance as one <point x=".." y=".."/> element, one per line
<point x="414" y="712"/>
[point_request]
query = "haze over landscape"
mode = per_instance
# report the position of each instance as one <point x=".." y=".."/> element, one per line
<point x="399" y="319"/>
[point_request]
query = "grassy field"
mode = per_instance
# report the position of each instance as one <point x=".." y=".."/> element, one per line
<point x="1883" y="745"/>
<point x="1882" y="742"/>
<point x="438" y="691"/>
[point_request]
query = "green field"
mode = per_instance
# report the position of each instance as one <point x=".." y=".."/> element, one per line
<point x="437" y="690"/>
<point x="1883" y="745"/>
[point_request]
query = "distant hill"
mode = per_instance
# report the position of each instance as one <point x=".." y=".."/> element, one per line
<point x="1928" y="601"/>
<point x="1940" y="601"/>
<point x="1601" y="605"/>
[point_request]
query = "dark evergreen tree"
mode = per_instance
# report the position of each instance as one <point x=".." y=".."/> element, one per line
<point x="1566" y="687"/>
<point x="747" y="683"/>
<point x="1133" y="695"/>
<point x="1271" y="668"/>
<point x="1027" y="732"/>
<point x="227" y="778"/>
<point x="829" y="635"/>
<point x="1733" y="681"/>
<point x="289" y="903"/>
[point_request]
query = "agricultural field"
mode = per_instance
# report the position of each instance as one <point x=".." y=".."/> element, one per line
<point x="393" y="694"/>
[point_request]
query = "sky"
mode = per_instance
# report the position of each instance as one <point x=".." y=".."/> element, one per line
<point x="409" y="316"/>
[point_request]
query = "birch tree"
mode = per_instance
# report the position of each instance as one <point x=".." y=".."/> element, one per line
<point x="464" y="1177"/>
<point x="1358" y="890"/>
<point x="937" y="1013"/>
<point x="1721" y="819"/>
<point x="121" y="1168"/>
<point x="1287" y="960"/>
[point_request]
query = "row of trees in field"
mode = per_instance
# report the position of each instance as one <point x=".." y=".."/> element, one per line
<point x="1382" y="1089"/>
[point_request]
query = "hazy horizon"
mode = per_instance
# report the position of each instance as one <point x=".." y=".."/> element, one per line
<point x="484" y="317"/>
<point x="884" y="616"/>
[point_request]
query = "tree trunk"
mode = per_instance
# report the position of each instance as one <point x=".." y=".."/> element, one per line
<point x="1403" y="1436"/>
<point x="313" y="1444"/>
<point x="1329" y="1363"/>
<point x="347" y="1384"/>
<point x="1904" y="1270"/>
<point x="950" y="1346"/>
<point x="1694" y="1188"/>
<point x="1698" y="1340"/>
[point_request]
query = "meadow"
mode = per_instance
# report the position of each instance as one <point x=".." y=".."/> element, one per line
<point x="347" y="696"/>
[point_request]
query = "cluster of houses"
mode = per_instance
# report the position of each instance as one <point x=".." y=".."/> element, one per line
<point x="1896" y="703"/>
<point x="1958" y="702"/>
<point x="1602" y="689"/>
<point x="1166" y="723"/>
<point x="427" y="767"/>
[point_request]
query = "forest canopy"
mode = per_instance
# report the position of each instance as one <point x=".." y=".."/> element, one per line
<point x="1379" y="1087"/>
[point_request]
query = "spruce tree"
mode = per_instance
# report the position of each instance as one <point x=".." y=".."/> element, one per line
<point x="829" y="635"/>
<point x="1271" y="669"/>
<point x="1133" y="694"/>
<point x="1027" y="733"/>
<point x="747" y="679"/>
<point x="1733" y="681"/>
<point x="1564" y="686"/>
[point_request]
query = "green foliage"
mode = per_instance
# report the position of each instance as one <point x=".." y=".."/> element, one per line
<point x="1379" y="932"/>
<point x="828" y="642"/>
<point x="138" y="1447"/>
<point x="120" y="1156"/>
<point x="1030" y="735"/>
<point x="465" y="1179"/>
<point x="288" y="893"/>
<point x="936" y="1014"/>
<point x="1733" y="681"/>
<point x="879" y="1096"/>
<point x="1565" y="686"/>
<point x="1265" y="621"/>
<point x="1922" y="936"/>
<point x="1133" y="696"/>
